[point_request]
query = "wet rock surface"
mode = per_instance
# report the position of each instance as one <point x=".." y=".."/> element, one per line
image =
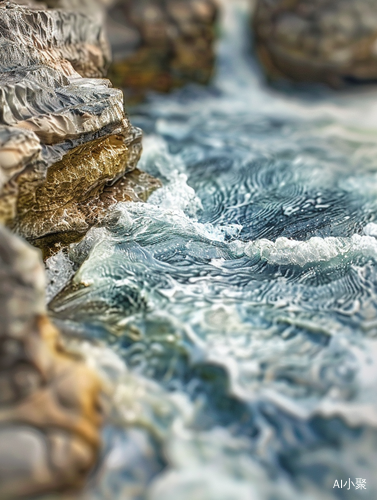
<point x="68" y="41"/>
<point x="161" y="44"/>
<point x="50" y="409"/>
<point x="333" y="42"/>
<point x="76" y="139"/>
<point x="67" y="153"/>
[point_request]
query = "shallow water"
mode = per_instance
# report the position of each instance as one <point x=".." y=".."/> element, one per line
<point x="235" y="312"/>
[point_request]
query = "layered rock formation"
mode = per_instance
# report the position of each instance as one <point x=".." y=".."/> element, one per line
<point x="77" y="143"/>
<point x="50" y="409"/>
<point x="67" y="152"/>
<point x="334" y="42"/>
<point x="161" y="44"/>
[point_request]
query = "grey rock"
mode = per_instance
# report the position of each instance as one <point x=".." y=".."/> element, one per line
<point x="67" y="153"/>
<point x="50" y="411"/>
<point x="77" y="140"/>
<point x="332" y="42"/>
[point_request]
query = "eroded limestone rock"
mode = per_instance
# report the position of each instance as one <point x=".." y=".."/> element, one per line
<point x="76" y="139"/>
<point x="50" y="409"/>
<point x="67" y="41"/>
<point x="333" y="42"/>
<point x="161" y="44"/>
<point x="67" y="153"/>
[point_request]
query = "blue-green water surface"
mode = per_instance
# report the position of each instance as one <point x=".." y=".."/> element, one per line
<point x="236" y="311"/>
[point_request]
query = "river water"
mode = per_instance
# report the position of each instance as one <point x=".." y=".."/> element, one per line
<point x="235" y="312"/>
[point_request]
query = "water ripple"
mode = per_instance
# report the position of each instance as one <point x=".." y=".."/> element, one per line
<point x="241" y="300"/>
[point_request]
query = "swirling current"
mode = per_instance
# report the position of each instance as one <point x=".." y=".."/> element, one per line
<point x="236" y="312"/>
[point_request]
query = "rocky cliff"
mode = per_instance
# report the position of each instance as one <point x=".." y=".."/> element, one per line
<point x="77" y="143"/>
<point x="67" y="152"/>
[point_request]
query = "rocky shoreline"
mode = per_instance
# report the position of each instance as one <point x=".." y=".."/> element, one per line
<point x="50" y="401"/>
<point x="66" y="148"/>
<point x="68" y="153"/>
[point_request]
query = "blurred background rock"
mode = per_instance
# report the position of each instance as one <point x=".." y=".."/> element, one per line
<point x="326" y="41"/>
<point x="50" y="406"/>
<point x="161" y="44"/>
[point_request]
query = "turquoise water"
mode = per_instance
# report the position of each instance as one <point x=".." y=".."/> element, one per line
<point x="235" y="313"/>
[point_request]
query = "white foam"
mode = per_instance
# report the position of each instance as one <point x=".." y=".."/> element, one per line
<point x="371" y="230"/>
<point x="59" y="270"/>
<point x="300" y="253"/>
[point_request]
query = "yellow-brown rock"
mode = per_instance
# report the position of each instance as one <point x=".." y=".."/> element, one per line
<point x="76" y="139"/>
<point x="332" y="42"/>
<point x="67" y="153"/>
<point x="50" y="410"/>
<point x="161" y="44"/>
<point x="68" y="41"/>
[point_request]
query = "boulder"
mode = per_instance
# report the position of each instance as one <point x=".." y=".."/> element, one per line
<point x="50" y="405"/>
<point x="322" y="41"/>
<point x="161" y="44"/>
